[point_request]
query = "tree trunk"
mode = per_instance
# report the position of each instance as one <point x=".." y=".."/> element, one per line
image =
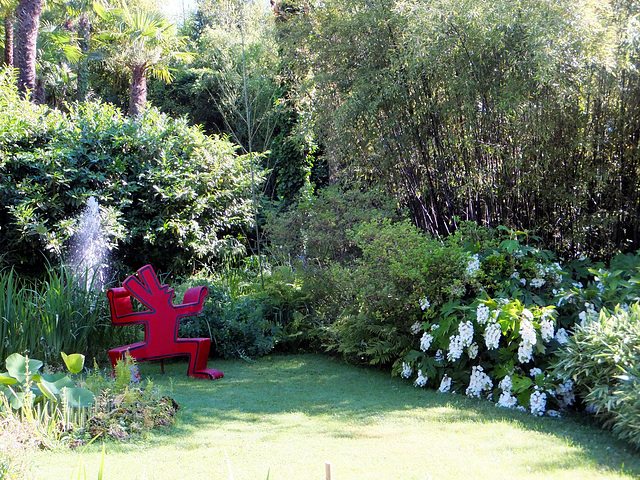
<point x="138" y="90"/>
<point x="8" y="39"/>
<point x="28" y="17"/>
<point x="84" y="32"/>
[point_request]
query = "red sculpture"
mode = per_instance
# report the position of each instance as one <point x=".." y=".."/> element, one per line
<point x="161" y="322"/>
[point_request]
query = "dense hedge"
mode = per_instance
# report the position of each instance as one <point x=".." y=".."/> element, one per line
<point x="169" y="194"/>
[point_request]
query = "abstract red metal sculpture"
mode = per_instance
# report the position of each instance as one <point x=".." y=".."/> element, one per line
<point x="161" y="322"/>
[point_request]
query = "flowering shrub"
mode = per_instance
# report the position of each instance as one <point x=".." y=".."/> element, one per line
<point x="496" y="341"/>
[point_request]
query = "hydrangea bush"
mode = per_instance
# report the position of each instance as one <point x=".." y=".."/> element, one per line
<point x="497" y="341"/>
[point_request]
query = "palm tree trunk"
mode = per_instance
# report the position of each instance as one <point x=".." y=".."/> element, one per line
<point x="138" y="90"/>
<point x="28" y="16"/>
<point x="8" y="39"/>
<point x="84" y="32"/>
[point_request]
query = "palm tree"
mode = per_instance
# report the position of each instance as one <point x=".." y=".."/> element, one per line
<point x="28" y="17"/>
<point x="142" y="41"/>
<point x="7" y="11"/>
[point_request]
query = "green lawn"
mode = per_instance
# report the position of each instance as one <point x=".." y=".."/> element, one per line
<point x="287" y="415"/>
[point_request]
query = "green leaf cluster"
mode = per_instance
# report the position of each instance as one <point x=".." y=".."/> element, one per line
<point x="24" y="386"/>
<point x="169" y="194"/>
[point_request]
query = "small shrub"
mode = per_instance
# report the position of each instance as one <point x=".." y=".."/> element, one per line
<point x="601" y="358"/>
<point x="235" y="321"/>
<point x="399" y="266"/>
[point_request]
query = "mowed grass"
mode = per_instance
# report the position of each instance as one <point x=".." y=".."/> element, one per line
<point x="285" y="416"/>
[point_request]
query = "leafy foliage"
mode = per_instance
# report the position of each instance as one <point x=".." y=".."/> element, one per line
<point x="170" y="195"/>
<point x="502" y="112"/>
<point x="601" y="358"/>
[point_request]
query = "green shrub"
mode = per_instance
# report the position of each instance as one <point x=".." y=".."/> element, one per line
<point x="399" y="266"/>
<point x="601" y="358"/>
<point x="495" y="338"/>
<point x="169" y="195"/>
<point x="234" y="321"/>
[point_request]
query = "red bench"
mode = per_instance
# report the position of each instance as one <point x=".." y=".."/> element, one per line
<point x="161" y="321"/>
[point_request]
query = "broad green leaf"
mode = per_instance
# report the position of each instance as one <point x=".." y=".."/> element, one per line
<point x="78" y="397"/>
<point x="6" y="379"/>
<point x="18" y="367"/>
<point x="74" y="362"/>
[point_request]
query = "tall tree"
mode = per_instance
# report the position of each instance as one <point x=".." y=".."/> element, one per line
<point x="7" y="11"/>
<point x="142" y="41"/>
<point x="28" y="17"/>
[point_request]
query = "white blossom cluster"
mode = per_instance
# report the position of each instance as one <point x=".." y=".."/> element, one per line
<point x="538" y="402"/>
<point x="455" y="348"/>
<point x="534" y="371"/>
<point x="506" y="399"/>
<point x="562" y="336"/>
<point x="492" y="336"/>
<point x="445" y="384"/>
<point x="528" y="337"/>
<point x="424" y="303"/>
<point x="565" y="394"/>
<point x="546" y="329"/>
<point x="473" y="266"/>
<point x="588" y="313"/>
<point x="537" y="282"/>
<point x="482" y="314"/>
<point x="416" y="328"/>
<point x="406" y="370"/>
<point x="472" y="351"/>
<point x="466" y="333"/>
<point x="479" y="382"/>
<point x="425" y="341"/>
<point x="422" y="379"/>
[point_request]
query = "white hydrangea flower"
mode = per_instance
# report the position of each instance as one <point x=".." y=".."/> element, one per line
<point x="529" y="339"/>
<point x="434" y="327"/>
<point x="492" y="336"/>
<point x="445" y="384"/>
<point x="425" y="341"/>
<point x="439" y="355"/>
<point x="421" y="381"/>
<point x="515" y="275"/>
<point x="565" y="394"/>
<point x="506" y="384"/>
<point x="424" y="303"/>
<point x="527" y="314"/>
<point x="534" y="371"/>
<point x="600" y="287"/>
<point x="466" y="333"/>
<point x="562" y="336"/>
<point x="538" y="403"/>
<point x="538" y="282"/>
<point x="482" y="314"/>
<point x="546" y="329"/>
<point x="525" y="352"/>
<point x="455" y="348"/>
<point x="416" y="328"/>
<point x="473" y="266"/>
<point x="472" y="351"/>
<point x="479" y="382"/>
<point x="406" y="370"/>
<point x="507" y="400"/>
<point x="523" y="281"/>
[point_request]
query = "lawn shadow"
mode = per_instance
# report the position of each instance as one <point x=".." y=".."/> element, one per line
<point x="314" y="385"/>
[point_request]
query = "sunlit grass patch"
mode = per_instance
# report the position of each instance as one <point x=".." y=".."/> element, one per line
<point x="288" y="415"/>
